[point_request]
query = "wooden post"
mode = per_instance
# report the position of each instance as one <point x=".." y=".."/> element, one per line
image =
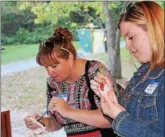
<point x="5" y="124"/>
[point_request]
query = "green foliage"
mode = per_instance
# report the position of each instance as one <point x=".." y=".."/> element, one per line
<point x="79" y="13"/>
<point x="13" y="19"/>
<point x="76" y="14"/>
<point x="30" y="22"/>
<point x="23" y="36"/>
<point x="115" y="8"/>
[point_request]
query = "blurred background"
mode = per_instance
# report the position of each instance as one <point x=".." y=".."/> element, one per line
<point x="25" y="24"/>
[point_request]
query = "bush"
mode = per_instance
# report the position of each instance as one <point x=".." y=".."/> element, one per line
<point x="23" y="36"/>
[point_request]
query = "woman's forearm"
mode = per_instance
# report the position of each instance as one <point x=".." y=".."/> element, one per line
<point x="51" y="124"/>
<point x="89" y="117"/>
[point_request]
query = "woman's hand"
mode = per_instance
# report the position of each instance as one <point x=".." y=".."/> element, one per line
<point x="29" y="123"/>
<point x="109" y="99"/>
<point x="109" y="102"/>
<point x="59" y="105"/>
<point x="95" y="84"/>
<point x="110" y="105"/>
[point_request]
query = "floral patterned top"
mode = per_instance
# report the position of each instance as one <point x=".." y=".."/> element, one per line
<point x="77" y="98"/>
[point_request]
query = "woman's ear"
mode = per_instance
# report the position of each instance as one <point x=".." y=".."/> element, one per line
<point x="71" y="57"/>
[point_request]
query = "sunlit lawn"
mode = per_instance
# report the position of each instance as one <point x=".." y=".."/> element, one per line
<point x="22" y="52"/>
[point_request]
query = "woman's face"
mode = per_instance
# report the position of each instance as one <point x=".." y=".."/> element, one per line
<point x="61" y="70"/>
<point x="137" y="41"/>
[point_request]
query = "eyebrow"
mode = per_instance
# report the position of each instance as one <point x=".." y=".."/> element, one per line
<point x="53" y="64"/>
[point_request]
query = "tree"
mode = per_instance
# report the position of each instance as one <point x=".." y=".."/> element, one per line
<point x="113" y="41"/>
<point x="13" y="18"/>
<point x="76" y="14"/>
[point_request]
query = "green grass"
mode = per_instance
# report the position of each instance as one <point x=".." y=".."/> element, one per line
<point x="23" y="52"/>
<point x="18" y="52"/>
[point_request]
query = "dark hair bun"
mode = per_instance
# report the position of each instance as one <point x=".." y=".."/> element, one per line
<point x="63" y="33"/>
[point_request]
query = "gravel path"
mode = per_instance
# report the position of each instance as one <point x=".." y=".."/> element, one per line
<point x="18" y="66"/>
<point x="18" y="94"/>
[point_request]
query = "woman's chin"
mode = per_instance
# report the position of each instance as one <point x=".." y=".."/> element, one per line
<point x="142" y="61"/>
<point x="57" y="79"/>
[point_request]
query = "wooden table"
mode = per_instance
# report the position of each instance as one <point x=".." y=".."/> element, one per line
<point x="5" y="124"/>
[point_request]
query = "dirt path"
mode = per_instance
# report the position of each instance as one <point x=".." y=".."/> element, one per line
<point x="18" y="66"/>
<point x="24" y="93"/>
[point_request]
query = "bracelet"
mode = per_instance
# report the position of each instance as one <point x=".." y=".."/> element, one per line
<point x="39" y="120"/>
<point x="107" y="117"/>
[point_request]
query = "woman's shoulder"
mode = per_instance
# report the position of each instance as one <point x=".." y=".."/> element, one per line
<point x="94" y="66"/>
<point x="96" y="63"/>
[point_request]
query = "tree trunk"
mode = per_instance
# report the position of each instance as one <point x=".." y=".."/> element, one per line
<point x="113" y="49"/>
<point x="113" y="42"/>
<point x="118" y="34"/>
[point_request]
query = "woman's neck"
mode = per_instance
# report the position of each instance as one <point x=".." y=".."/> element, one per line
<point x="77" y="71"/>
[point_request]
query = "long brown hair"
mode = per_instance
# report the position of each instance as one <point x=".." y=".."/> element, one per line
<point x="59" y="45"/>
<point x="150" y="17"/>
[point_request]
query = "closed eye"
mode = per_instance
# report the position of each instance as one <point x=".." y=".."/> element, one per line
<point x="130" y="38"/>
<point x="54" y="66"/>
